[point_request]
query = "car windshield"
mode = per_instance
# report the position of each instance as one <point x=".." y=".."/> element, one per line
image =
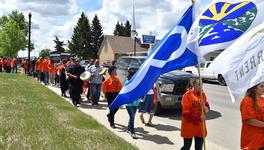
<point x="135" y="63"/>
<point x="202" y="65"/>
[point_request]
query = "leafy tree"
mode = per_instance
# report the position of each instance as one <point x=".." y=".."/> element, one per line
<point x="97" y="36"/>
<point x="44" y="53"/>
<point x="80" y="44"/>
<point x="59" y="45"/>
<point x="12" y="38"/>
<point x="18" y="17"/>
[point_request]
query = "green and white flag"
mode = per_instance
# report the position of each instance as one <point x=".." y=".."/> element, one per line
<point x="219" y="23"/>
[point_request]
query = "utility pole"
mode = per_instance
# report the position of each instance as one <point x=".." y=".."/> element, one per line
<point x="133" y="31"/>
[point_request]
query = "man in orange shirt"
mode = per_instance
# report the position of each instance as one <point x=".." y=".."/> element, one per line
<point x="192" y="117"/>
<point x="45" y="69"/>
<point x="8" y="65"/>
<point x="111" y="87"/>
<point x="4" y="64"/>
<point x="40" y="69"/>
<point x="52" y="71"/>
<point x="252" y="113"/>
<point x="14" y="65"/>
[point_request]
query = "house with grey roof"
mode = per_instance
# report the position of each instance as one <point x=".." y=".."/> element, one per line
<point x="113" y="47"/>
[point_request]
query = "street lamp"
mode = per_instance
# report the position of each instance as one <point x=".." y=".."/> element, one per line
<point x="29" y="46"/>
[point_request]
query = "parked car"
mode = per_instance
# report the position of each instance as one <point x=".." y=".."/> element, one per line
<point x="171" y="85"/>
<point x="206" y="74"/>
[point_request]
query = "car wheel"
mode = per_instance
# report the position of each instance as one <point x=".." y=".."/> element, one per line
<point x="158" y="109"/>
<point x="221" y="80"/>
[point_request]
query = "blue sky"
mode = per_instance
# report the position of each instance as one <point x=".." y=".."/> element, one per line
<point x="90" y="5"/>
<point x="59" y="17"/>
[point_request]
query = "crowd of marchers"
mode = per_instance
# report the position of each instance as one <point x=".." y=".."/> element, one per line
<point x="66" y="75"/>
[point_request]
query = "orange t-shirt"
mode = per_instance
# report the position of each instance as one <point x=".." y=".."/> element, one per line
<point x="14" y="61"/>
<point x="191" y="105"/>
<point x="40" y="66"/>
<point x="45" y="64"/>
<point x="51" y="67"/>
<point x="4" y="63"/>
<point x="252" y="138"/>
<point x="112" y="84"/>
<point x="26" y="64"/>
<point x="1" y="63"/>
<point x="8" y="62"/>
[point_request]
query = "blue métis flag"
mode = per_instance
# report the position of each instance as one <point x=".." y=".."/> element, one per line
<point x="171" y="53"/>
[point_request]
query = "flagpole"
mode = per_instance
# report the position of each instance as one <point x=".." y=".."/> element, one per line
<point x="202" y="103"/>
<point x="201" y="94"/>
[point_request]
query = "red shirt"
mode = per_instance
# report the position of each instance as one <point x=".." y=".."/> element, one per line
<point x="26" y="64"/>
<point x="4" y="63"/>
<point x="14" y="61"/>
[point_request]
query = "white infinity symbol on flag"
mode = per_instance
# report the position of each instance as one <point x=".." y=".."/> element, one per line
<point x="158" y="63"/>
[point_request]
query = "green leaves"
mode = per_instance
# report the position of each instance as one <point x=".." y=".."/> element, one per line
<point x="12" y="38"/>
<point x="13" y="32"/>
<point x="44" y="53"/>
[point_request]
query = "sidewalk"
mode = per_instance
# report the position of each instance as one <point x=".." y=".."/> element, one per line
<point x="161" y="137"/>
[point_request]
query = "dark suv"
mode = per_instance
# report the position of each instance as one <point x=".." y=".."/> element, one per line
<point x="171" y="87"/>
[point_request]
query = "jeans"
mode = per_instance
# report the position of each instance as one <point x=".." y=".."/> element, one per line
<point x="131" y="112"/>
<point x="96" y="91"/>
<point x="14" y="69"/>
<point x="188" y="143"/>
<point x="46" y="77"/>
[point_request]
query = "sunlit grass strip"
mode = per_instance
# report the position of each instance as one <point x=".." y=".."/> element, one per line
<point x="33" y="117"/>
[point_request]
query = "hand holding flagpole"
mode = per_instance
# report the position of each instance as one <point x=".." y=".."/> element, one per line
<point x="202" y="104"/>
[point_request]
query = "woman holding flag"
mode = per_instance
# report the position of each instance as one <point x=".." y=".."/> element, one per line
<point x="252" y="113"/>
<point x="194" y="105"/>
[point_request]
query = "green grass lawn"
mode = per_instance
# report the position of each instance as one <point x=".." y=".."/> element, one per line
<point x="33" y="117"/>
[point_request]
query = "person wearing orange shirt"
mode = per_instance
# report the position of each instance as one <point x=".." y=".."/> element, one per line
<point x="37" y="64"/>
<point x="45" y="69"/>
<point x="252" y="115"/>
<point x="192" y="118"/>
<point x="52" y="71"/>
<point x="62" y="76"/>
<point x="26" y="66"/>
<point x="4" y="63"/>
<point x="111" y="87"/>
<point x="8" y="65"/>
<point x="14" y="65"/>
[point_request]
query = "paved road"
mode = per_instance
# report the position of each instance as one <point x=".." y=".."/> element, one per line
<point x="223" y="121"/>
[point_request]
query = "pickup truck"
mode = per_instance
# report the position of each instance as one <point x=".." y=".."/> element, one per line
<point x="206" y="73"/>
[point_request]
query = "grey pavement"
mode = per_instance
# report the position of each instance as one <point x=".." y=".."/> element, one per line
<point x="163" y="136"/>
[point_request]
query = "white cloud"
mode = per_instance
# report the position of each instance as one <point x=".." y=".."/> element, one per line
<point x="156" y="17"/>
<point x="59" y="17"/>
